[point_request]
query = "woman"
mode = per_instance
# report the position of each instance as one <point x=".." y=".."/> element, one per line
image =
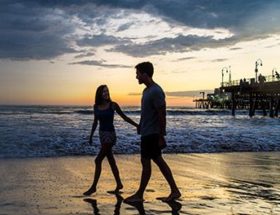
<point x="104" y="110"/>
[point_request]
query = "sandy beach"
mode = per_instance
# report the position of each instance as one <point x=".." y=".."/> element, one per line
<point x="225" y="183"/>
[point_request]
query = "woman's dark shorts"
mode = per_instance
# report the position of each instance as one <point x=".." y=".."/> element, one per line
<point x="149" y="146"/>
<point x="107" y="137"/>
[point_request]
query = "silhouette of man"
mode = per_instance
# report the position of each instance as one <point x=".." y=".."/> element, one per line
<point x="152" y="129"/>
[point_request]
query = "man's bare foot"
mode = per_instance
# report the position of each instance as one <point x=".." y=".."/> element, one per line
<point x="89" y="191"/>
<point x="91" y="201"/>
<point x="117" y="190"/>
<point x="173" y="196"/>
<point x="134" y="198"/>
<point x="119" y="187"/>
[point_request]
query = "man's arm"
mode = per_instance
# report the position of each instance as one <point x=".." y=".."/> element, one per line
<point x="162" y="126"/>
<point x="162" y="120"/>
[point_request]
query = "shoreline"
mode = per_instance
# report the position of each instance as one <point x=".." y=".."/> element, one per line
<point x="211" y="183"/>
<point x="133" y="154"/>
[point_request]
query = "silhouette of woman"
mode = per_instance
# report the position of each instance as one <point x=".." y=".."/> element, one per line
<point x="104" y="109"/>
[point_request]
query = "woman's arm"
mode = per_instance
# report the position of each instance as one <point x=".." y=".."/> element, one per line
<point x="94" y="125"/>
<point x="125" y="118"/>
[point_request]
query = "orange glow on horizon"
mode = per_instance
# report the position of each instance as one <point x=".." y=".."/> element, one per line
<point x="122" y="100"/>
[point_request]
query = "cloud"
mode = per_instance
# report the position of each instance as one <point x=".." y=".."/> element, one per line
<point x="85" y="54"/>
<point x="99" y="40"/>
<point x="32" y="32"/>
<point x="40" y="29"/>
<point x="166" y="45"/>
<point x="235" y="48"/>
<point x="100" y="63"/>
<point x="131" y="31"/>
<point x="185" y="58"/>
<point x="220" y="60"/>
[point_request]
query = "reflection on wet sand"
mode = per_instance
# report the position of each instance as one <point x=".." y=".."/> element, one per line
<point x="139" y="206"/>
<point x="233" y="183"/>
<point x="251" y="190"/>
<point x="212" y="184"/>
<point x="93" y="203"/>
<point x="175" y="206"/>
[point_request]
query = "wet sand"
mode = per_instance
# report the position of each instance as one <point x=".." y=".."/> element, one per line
<point x="212" y="184"/>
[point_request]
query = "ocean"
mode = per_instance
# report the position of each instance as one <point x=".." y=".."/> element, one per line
<point x="54" y="131"/>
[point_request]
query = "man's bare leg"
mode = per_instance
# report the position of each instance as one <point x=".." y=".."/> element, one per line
<point x="166" y="171"/>
<point x="145" y="177"/>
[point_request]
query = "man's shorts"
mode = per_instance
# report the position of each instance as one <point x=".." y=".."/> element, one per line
<point x="149" y="146"/>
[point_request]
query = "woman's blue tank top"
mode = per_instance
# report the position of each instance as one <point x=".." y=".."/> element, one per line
<point x="105" y="117"/>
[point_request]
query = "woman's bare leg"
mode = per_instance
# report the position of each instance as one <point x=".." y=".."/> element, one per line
<point x="114" y="169"/>
<point x="98" y="167"/>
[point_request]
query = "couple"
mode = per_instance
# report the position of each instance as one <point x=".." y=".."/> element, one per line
<point x="152" y="129"/>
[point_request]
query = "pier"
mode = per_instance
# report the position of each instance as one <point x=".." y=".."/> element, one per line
<point x="259" y="93"/>
<point x="253" y="96"/>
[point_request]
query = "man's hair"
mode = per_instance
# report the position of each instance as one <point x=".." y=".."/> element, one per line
<point x="145" y="67"/>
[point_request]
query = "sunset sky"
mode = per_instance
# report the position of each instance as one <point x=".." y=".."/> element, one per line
<point x="58" y="52"/>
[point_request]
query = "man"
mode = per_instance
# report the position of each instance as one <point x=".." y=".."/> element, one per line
<point x="152" y="130"/>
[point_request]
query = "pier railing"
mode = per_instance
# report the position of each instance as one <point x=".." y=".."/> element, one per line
<point x="268" y="78"/>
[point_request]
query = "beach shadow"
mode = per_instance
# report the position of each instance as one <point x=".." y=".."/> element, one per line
<point x="95" y="209"/>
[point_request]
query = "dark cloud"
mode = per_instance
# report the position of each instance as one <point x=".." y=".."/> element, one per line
<point x="235" y="48"/>
<point x="220" y="60"/>
<point x="178" y="44"/>
<point x="100" y="40"/>
<point x="29" y="31"/>
<point x="100" y="63"/>
<point x="185" y="58"/>
<point x="164" y="46"/>
<point x="196" y="13"/>
<point x="85" y="54"/>
<point x="204" y="13"/>
<point x="44" y="29"/>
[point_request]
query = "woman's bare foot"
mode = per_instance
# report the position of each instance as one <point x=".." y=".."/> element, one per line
<point x="134" y="198"/>
<point x="90" y="191"/>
